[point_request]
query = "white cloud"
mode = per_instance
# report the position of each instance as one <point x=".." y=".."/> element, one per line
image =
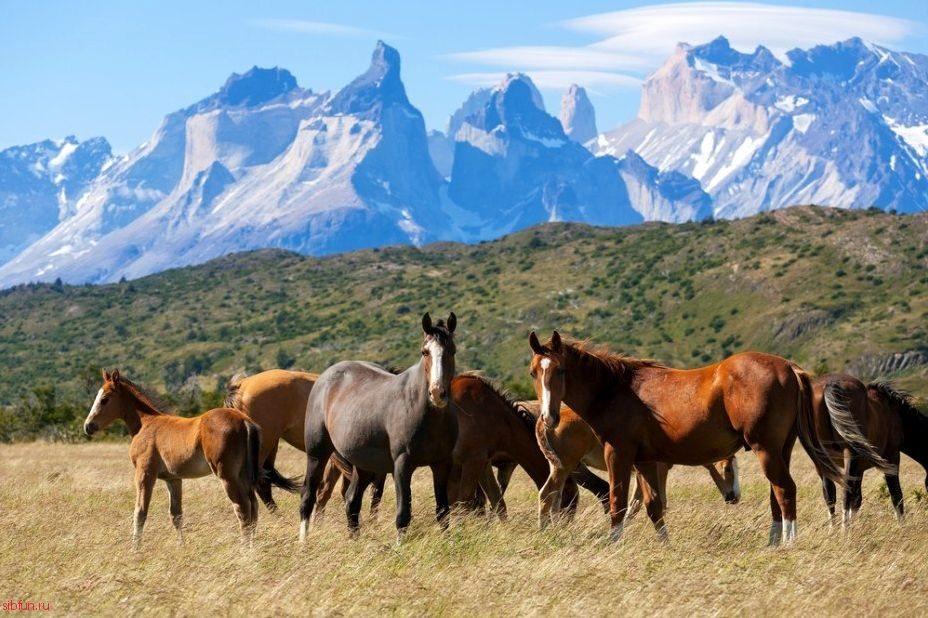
<point x="318" y="27"/>
<point x="655" y="30"/>
<point x="637" y="41"/>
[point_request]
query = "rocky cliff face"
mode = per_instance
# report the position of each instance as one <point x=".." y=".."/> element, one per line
<point x="577" y="115"/>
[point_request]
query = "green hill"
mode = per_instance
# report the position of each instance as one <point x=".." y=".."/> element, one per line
<point x="832" y="289"/>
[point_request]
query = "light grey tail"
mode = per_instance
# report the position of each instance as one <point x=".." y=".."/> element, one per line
<point x="836" y="402"/>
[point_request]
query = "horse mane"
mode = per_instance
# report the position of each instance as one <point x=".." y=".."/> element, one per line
<point x="621" y="365"/>
<point x="440" y="330"/>
<point x="233" y="391"/>
<point x="903" y="403"/>
<point x="507" y="397"/>
<point x="148" y="403"/>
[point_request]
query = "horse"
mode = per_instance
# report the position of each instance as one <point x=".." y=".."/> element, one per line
<point x="573" y="443"/>
<point x="383" y="423"/>
<point x="890" y="423"/>
<point x="276" y="401"/>
<point x="220" y="441"/>
<point x="492" y="429"/>
<point x="644" y="412"/>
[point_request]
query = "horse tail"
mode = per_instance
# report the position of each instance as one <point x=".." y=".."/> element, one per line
<point x="253" y="452"/>
<point x="233" y="392"/>
<point x="545" y="444"/>
<point x="839" y="412"/>
<point x="275" y="478"/>
<point x="805" y="428"/>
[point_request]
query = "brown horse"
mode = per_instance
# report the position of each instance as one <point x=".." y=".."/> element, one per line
<point x="573" y="442"/>
<point x="644" y="412"/>
<point x="220" y="441"/>
<point x="491" y="428"/>
<point x="276" y="401"/>
<point x="888" y="420"/>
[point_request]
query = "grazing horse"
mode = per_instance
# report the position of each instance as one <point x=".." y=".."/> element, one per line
<point x="491" y="428"/>
<point x="573" y="442"/>
<point x="383" y="423"/>
<point x="220" y="441"/>
<point x="888" y="421"/>
<point x="276" y="401"/>
<point x="644" y="412"/>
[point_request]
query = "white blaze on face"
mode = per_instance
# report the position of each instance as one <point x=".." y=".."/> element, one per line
<point x="95" y="407"/>
<point x="436" y="351"/>
<point x="545" y="390"/>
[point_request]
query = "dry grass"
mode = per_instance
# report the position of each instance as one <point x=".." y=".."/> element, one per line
<point x="66" y="514"/>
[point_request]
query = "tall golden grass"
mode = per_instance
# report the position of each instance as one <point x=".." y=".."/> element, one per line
<point x="65" y="514"/>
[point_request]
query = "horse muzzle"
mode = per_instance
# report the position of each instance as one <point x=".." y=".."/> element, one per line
<point x="90" y="428"/>
<point x="550" y="421"/>
<point x="438" y="397"/>
<point x="732" y="498"/>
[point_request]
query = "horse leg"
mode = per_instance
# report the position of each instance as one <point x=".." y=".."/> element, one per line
<point x="264" y="484"/>
<point x="144" y="485"/>
<point x="471" y="471"/>
<point x="570" y="497"/>
<point x="592" y="483"/>
<point x="330" y="478"/>
<point x="360" y="480"/>
<point x="549" y="496"/>
<point x="652" y="479"/>
<point x="315" y="468"/>
<point x="853" y="495"/>
<point x="402" y="477"/>
<point x="895" y="494"/>
<point x="493" y="492"/>
<point x="238" y="493"/>
<point x="782" y="494"/>
<point x="377" y="494"/>
<point x="441" y="473"/>
<point x="619" y="466"/>
<point x="504" y="475"/>
<point x="830" y="493"/>
<point x="175" y="492"/>
<point x="635" y="505"/>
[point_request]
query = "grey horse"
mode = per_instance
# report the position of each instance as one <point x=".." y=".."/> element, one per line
<point x="382" y="423"/>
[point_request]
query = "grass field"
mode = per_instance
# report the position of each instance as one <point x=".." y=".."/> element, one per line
<point x="66" y="511"/>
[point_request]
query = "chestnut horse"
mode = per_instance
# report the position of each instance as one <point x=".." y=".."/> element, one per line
<point x="644" y="412"/>
<point x="890" y="423"/>
<point x="276" y="401"/>
<point x="220" y="441"/>
<point x="382" y="423"/>
<point x="573" y="442"/>
<point x="491" y="428"/>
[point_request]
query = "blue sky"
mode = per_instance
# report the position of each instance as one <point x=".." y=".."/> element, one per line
<point x="116" y="68"/>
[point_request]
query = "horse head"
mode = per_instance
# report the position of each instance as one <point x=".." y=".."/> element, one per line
<point x="108" y="406"/>
<point x="547" y="371"/>
<point x="438" y="357"/>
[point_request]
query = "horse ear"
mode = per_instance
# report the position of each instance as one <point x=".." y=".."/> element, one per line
<point x="106" y="376"/>
<point x="427" y="324"/>
<point x="535" y="344"/>
<point x="556" y="341"/>
<point x="452" y="322"/>
<point x="115" y="376"/>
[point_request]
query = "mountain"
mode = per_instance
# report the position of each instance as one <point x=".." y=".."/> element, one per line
<point x="260" y="163"/>
<point x="514" y="166"/>
<point x="843" y="125"/>
<point x="40" y="185"/>
<point x="686" y="294"/>
<point x="577" y="115"/>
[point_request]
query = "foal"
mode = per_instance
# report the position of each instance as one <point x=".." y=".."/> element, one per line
<point x="220" y="441"/>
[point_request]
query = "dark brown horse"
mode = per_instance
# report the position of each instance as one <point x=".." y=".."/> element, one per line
<point x="491" y="428"/>
<point x="644" y="412"/>
<point x="888" y="421"/>
<point x="384" y="423"/>
<point x="221" y="441"/>
<point x="276" y="401"/>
